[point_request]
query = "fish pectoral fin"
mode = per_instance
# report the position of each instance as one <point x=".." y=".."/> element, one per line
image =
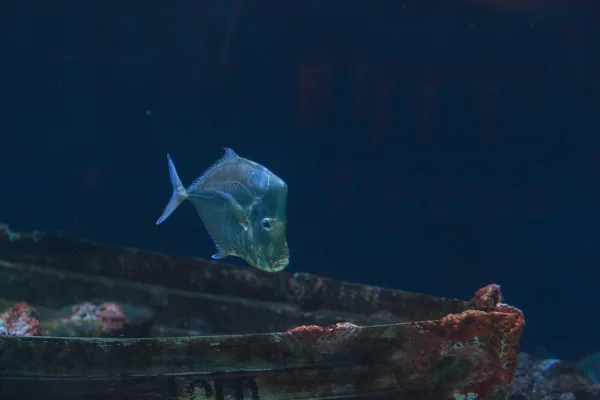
<point x="238" y="210"/>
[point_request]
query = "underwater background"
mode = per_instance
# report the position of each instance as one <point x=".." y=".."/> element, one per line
<point x="427" y="146"/>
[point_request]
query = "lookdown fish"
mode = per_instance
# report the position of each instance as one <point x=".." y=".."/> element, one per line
<point x="243" y="207"/>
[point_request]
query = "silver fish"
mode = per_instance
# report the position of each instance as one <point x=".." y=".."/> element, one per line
<point x="243" y="207"/>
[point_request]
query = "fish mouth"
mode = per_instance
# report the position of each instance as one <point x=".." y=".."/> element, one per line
<point x="281" y="264"/>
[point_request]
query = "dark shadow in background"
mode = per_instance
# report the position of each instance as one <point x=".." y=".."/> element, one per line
<point x="426" y="148"/>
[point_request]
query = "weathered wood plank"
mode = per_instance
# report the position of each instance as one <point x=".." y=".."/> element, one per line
<point x="473" y="352"/>
<point x="457" y="350"/>
<point x="309" y="292"/>
<point x="174" y="308"/>
<point x="353" y="383"/>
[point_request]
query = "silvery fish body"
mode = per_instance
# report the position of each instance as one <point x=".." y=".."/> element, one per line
<point x="243" y="207"/>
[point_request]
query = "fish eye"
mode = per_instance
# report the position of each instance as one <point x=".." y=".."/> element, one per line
<point x="266" y="224"/>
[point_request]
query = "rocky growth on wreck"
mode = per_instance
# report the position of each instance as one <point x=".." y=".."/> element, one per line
<point x="540" y="379"/>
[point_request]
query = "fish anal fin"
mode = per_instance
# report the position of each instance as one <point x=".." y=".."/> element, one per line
<point x="220" y="254"/>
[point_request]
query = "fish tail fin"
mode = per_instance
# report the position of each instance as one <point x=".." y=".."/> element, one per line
<point x="179" y="192"/>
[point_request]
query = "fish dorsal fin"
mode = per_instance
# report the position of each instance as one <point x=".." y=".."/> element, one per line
<point x="229" y="155"/>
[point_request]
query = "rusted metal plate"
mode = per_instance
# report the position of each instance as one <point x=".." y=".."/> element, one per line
<point x="401" y="345"/>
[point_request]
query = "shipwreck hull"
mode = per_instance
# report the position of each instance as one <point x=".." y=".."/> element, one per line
<point x="222" y="332"/>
